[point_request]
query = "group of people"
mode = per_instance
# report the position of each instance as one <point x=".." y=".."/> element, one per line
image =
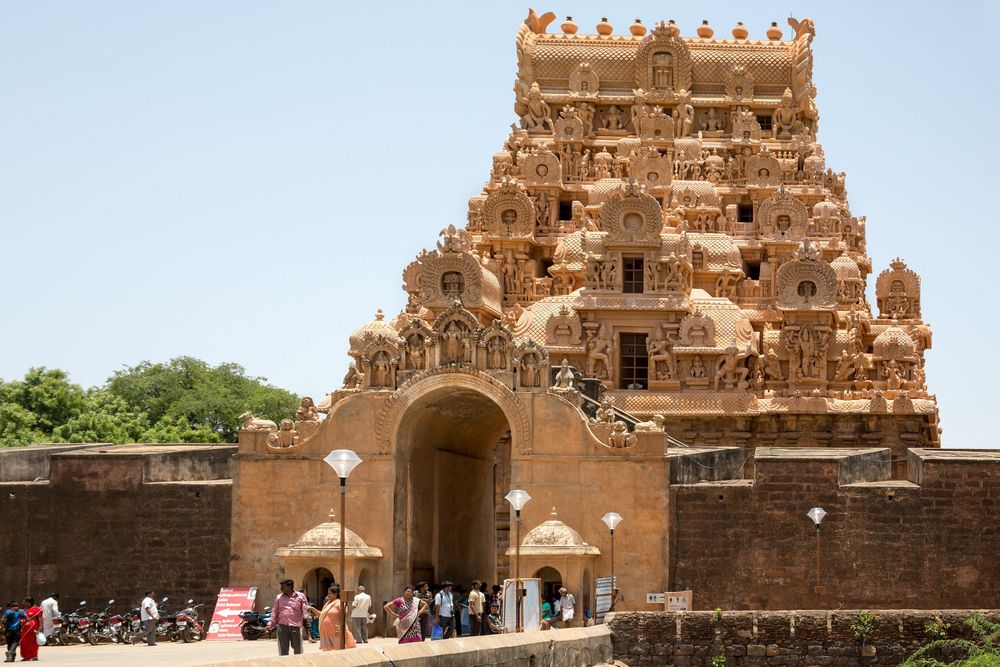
<point x="28" y="626"/>
<point x="290" y="617"/>
<point x="419" y="614"/>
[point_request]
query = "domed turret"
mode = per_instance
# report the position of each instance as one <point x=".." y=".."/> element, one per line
<point x="894" y="343"/>
<point x="374" y="328"/>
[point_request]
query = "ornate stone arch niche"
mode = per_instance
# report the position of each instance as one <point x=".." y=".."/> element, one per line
<point x="807" y="283"/>
<point x="897" y="291"/>
<point x="495" y="344"/>
<point x="564" y="328"/>
<point x="448" y="277"/>
<point x="379" y="362"/>
<point x="455" y="333"/>
<point x="632" y="217"/>
<point x="415" y="348"/>
<point x="783" y="216"/>
<point x="663" y="62"/>
<point x="508" y="212"/>
<point x="531" y="361"/>
<point x="584" y="82"/>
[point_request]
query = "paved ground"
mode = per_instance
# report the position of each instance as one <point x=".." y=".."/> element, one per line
<point x="166" y="653"/>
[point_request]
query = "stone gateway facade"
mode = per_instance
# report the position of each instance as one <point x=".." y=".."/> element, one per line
<point x="656" y="307"/>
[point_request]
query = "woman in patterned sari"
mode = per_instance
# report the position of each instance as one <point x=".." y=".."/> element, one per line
<point x="407" y="611"/>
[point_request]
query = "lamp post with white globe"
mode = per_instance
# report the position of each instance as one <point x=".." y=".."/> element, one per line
<point x="817" y="514"/>
<point x="517" y="499"/>
<point x="611" y="520"/>
<point x="343" y="461"/>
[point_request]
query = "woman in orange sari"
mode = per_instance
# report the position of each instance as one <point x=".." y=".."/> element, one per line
<point x="329" y="622"/>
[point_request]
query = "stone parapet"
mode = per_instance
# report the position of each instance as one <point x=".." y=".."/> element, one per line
<point x="573" y="646"/>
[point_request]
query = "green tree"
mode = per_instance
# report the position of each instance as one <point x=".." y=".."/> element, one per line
<point x="46" y="394"/>
<point x="206" y="397"/>
<point x="104" y="418"/>
<point x="182" y="400"/>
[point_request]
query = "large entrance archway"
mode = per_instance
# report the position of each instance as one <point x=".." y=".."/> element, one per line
<point x="453" y="469"/>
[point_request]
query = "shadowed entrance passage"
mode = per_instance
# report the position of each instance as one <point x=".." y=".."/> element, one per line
<point x="453" y="455"/>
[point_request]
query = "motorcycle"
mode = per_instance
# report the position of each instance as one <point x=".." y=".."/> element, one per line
<point x="58" y="636"/>
<point x="254" y="624"/>
<point x="107" y="625"/>
<point x="188" y="626"/>
<point x="77" y="625"/>
<point x="166" y="627"/>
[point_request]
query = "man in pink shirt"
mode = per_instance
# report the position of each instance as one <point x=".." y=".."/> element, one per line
<point x="286" y="615"/>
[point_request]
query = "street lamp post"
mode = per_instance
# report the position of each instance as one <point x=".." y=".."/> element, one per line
<point x="517" y="499"/>
<point x="343" y="461"/>
<point x="611" y="520"/>
<point x="817" y="514"/>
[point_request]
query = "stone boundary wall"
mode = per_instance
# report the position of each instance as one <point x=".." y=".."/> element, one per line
<point x="791" y="638"/>
<point x="572" y="647"/>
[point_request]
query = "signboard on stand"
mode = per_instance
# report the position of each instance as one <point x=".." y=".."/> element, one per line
<point x="604" y="589"/>
<point x="531" y="604"/>
<point x="232" y="602"/>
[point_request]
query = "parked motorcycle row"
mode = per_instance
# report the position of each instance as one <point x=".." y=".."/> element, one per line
<point x="91" y="625"/>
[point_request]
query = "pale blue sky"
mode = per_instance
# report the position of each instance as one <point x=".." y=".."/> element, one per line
<point x="245" y="180"/>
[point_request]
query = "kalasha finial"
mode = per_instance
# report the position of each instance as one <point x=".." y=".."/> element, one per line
<point x="379" y="315"/>
<point x="553" y="513"/>
<point x="897" y="264"/>
<point x="332" y="515"/>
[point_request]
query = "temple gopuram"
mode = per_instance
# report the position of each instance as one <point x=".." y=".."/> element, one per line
<point x="657" y="306"/>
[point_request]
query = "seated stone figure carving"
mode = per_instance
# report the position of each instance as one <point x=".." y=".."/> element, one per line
<point x="306" y="411"/>
<point x="538" y="114"/>
<point x="251" y="423"/>
<point x="285" y="437"/>
<point x="564" y="378"/>
<point x="654" y="426"/>
<point x="620" y="438"/>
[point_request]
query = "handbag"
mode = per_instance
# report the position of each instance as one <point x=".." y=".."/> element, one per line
<point x="40" y="638"/>
<point x="437" y="632"/>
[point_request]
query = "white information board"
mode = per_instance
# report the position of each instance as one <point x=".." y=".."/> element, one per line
<point x="531" y="604"/>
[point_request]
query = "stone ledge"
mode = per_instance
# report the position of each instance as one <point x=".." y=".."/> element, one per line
<point x="572" y="646"/>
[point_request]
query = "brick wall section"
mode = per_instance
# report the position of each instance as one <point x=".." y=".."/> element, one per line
<point x="751" y="546"/>
<point x="789" y="638"/>
<point x="98" y="530"/>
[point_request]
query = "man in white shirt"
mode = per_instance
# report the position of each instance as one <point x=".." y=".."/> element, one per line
<point x="50" y="609"/>
<point x="444" y="614"/>
<point x="149" y="615"/>
<point x="568" y="607"/>
<point x="360" y="606"/>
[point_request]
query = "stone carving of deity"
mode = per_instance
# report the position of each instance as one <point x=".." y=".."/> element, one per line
<point x="454" y="343"/>
<point x="306" y="411"/>
<point x="683" y="115"/>
<point x="663" y="366"/>
<point x="381" y="369"/>
<point x="712" y="122"/>
<point x="529" y="371"/>
<point x="599" y="351"/>
<point x="620" y="438"/>
<point x="783" y="119"/>
<point x="697" y="369"/>
<point x="497" y="358"/>
<point x="415" y="352"/>
<point x="893" y="375"/>
<point x="564" y="378"/>
<point x="538" y="114"/>
<point x="613" y="118"/>
<point x="730" y="375"/>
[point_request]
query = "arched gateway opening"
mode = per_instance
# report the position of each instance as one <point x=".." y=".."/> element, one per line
<point x="452" y="472"/>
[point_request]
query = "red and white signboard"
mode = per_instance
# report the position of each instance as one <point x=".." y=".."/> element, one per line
<point x="226" y="619"/>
